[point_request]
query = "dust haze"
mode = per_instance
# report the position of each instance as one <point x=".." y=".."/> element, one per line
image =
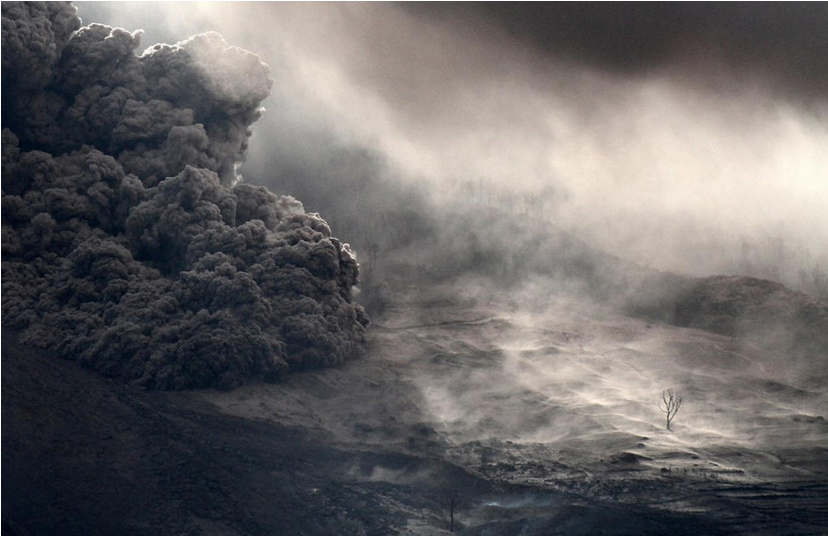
<point x="482" y="238"/>
<point x="566" y="154"/>
<point x="685" y="139"/>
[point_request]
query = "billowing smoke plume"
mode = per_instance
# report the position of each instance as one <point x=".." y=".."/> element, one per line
<point x="128" y="242"/>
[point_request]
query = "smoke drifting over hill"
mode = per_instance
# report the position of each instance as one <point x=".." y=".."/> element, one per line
<point x="689" y="138"/>
<point x="501" y="139"/>
<point x="128" y="242"/>
<point x="531" y="190"/>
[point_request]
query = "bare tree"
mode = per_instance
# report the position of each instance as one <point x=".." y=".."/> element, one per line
<point x="451" y="501"/>
<point x="452" y="504"/>
<point x="670" y="403"/>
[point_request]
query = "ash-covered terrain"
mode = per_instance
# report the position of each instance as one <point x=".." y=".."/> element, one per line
<point x="530" y="421"/>
<point x="551" y="231"/>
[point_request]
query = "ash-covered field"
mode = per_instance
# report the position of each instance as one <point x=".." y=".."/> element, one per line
<point x="529" y="389"/>
<point x="533" y="221"/>
<point x="541" y="423"/>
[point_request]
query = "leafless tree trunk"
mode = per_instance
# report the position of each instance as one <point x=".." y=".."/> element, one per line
<point x="452" y="504"/>
<point x="669" y="404"/>
<point x="451" y="501"/>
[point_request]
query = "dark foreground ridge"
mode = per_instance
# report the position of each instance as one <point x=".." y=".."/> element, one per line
<point x="85" y="456"/>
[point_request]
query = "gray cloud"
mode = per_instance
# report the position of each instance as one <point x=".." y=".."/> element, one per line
<point x="686" y="137"/>
<point x="128" y="241"/>
<point x="34" y="35"/>
<point x="784" y="43"/>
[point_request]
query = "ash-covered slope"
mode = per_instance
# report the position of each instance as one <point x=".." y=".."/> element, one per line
<point x="83" y="455"/>
<point x="763" y="314"/>
<point x="536" y="387"/>
<point x="733" y="305"/>
<point x="510" y="247"/>
<point x="128" y="242"/>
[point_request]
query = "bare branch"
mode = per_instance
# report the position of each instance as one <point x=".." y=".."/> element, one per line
<point x="672" y="402"/>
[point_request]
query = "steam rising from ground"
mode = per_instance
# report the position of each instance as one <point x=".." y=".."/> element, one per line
<point x="128" y="241"/>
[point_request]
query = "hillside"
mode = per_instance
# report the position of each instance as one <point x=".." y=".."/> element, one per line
<point x="189" y="349"/>
<point x="536" y="412"/>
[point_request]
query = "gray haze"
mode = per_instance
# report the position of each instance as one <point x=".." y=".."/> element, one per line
<point x="522" y="195"/>
<point x="685" y="137"/>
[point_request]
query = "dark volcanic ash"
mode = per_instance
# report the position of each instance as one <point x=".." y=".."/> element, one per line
<point x="128" y="242"/>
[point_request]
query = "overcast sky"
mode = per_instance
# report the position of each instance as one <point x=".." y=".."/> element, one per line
<point x="669" y="129"/>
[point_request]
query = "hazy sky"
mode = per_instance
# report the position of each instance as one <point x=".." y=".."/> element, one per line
<point x="670" y="130"/>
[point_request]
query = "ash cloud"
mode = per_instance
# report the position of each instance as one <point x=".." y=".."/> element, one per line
<point x="155" y="112"/>
<point x="684" y="137"/>
<point x="129" y="242"/>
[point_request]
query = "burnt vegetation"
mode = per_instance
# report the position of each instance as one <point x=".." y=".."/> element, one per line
<point x="670" y="404"/>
